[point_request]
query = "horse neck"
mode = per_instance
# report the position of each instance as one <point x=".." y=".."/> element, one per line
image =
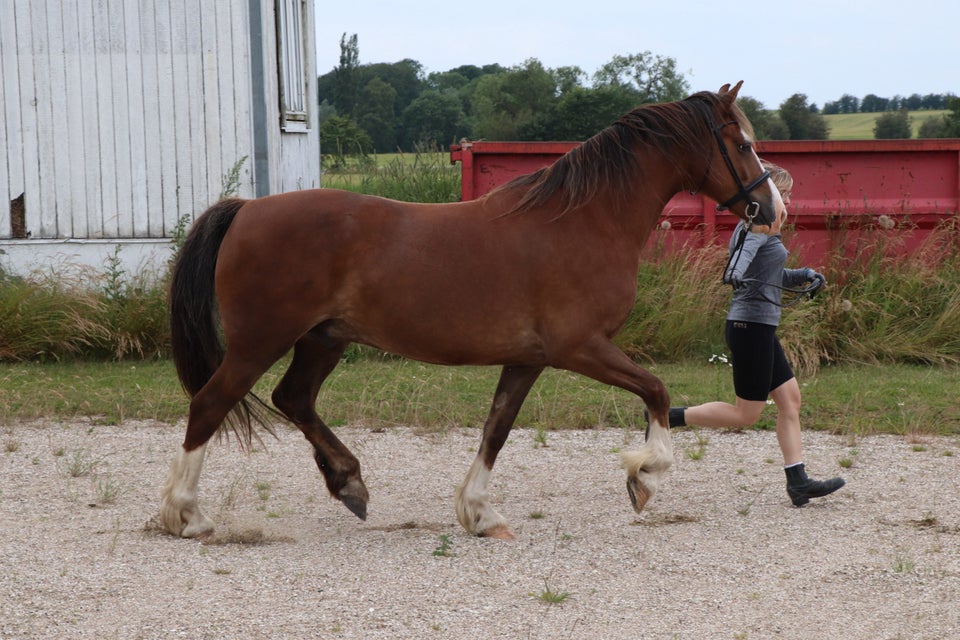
<point x="638" y="210"/>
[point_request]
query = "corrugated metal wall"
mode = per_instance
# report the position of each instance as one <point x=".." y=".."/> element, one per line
<point x="121" y="116"/>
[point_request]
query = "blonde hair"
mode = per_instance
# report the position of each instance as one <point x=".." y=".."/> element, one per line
<point x="780" y="176"/>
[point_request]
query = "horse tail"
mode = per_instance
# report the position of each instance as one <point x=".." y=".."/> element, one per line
<point x="196" y="346"/>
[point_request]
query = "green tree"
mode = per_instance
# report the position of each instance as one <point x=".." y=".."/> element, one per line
<point x="935" y="127"/>
<point x="406" y="77"/>
<point x="801" y="120"/>
<point x="653" y="78"/>
<point x="873" y="103"/>
<point x="434" y="117"/>
<point x="580" y="113"/>
<point x="952" y="119"/>
<point x="447" y="80"/>
<point x="893" y="125"/>
<point x="945" y="126"/>
<point x="345" y="76"/>
<point x="340" y="137"/>
<point x="567" y="79"/>
<point x="504" y="103"/>
<point x="376" y="116"/>
<point x="767" y="125"/>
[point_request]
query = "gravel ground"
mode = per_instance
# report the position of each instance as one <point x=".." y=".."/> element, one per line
<point x="719" y="553"/>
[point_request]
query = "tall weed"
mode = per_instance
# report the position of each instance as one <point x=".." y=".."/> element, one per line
<point x="43" y="318"/>
<point x="883" y="304"/>
<point x="425" y="176"/>
<point x="896" y="307"/>
<point x="82" y="314"/>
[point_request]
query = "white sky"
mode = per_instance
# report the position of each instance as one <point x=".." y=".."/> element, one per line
<point x="817" y="47"/>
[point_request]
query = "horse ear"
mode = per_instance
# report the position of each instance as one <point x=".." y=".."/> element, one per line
<point x="730" y="95"/>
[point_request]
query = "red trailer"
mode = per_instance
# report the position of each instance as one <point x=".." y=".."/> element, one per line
<point x="843" y="191"/>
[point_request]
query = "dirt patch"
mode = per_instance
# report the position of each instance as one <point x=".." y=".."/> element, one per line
<point x="720" y="552"/>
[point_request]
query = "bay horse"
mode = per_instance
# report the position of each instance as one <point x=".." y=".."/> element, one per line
<point x="539" y="272"/>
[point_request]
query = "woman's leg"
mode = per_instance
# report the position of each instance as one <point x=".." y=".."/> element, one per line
<point x="800" y="487"/>
<point x="723" y="414"/>
<point x="787" y="399"/>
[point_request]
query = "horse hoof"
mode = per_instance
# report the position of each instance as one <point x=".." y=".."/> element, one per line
<point x="639" y="494"/>
<point x="355" y="497"/>
<point x="499" y="532"/>
<point x="357" y="507"/>
<point x="201" y="531"/>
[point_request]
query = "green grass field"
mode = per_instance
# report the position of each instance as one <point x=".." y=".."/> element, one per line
<point x="859" y="126"/>
<point x="379" y="392"/>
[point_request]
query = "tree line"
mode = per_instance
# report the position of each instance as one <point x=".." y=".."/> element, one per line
<point x="385" y="107"/>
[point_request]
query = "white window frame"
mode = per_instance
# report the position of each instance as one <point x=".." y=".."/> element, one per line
<point x="291" y="59"/>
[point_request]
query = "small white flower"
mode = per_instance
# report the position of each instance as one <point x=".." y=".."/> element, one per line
<point x="846" y="306"/>
<point x="665" y="225"/>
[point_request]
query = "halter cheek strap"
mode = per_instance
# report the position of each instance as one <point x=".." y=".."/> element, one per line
<point x="743" y="191"/>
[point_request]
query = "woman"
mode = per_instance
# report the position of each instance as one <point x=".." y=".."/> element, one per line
<point x="760" y="369"/>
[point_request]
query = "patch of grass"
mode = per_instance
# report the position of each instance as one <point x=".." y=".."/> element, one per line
<point x="423" y="176"/>
<point x="903" y="562"/>
<point x="551" y="596"/>
<point x="859" y="126"/>
<point x="540" y="438"/>
<point x="263" y="490"/>
<point x="855" y="399"/>
<point x="107" y="489"/>
<point x="80" y="464"/>
<point x="445" y="548"/>
<point x="74" y="312"/>
<point x="700" y="450"/>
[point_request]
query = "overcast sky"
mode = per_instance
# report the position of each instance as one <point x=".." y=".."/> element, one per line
<point x="816" y="47"/>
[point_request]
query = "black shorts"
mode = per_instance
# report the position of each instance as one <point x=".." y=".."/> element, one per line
<point x="759" y="364"/>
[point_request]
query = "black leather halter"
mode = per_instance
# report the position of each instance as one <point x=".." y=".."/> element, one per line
<point x="743" y="191"/>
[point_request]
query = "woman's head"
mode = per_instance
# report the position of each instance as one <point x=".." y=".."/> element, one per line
<point x="781" y="179"/>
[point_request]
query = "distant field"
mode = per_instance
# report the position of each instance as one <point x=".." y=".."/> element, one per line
<point x="859" y="126"/>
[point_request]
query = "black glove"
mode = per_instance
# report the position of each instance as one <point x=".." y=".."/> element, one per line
<point x="817" y="281"/>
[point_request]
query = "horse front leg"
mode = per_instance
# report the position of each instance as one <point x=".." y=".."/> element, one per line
<point x="472" y="504"/>
<point x="601" y="360"/>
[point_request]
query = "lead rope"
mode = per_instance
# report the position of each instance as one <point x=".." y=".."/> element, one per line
<point x="803" y="292"/>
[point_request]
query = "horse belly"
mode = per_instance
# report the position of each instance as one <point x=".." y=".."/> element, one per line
<point x="447" y="329"/>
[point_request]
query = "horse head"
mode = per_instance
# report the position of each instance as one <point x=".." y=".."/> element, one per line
<point x="734" y="176"/>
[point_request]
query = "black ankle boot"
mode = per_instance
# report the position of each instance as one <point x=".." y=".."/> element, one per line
<point x="800" y="488"/>
<point x="674" y="418"/>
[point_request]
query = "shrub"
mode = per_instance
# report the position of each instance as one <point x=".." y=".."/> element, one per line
<point x="81" y="314"/>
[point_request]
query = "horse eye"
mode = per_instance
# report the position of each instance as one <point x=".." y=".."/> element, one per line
<point x="744" y="147"/>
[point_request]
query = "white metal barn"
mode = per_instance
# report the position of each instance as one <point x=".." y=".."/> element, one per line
<point x="122" y="118"/>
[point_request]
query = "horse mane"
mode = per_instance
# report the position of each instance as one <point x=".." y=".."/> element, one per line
<point x="608" y="162"/>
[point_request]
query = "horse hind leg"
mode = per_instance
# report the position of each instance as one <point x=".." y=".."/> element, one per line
<point x="315" y="355"/>
<point x="179" y="510"/>
<point x="472" y="504"/>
